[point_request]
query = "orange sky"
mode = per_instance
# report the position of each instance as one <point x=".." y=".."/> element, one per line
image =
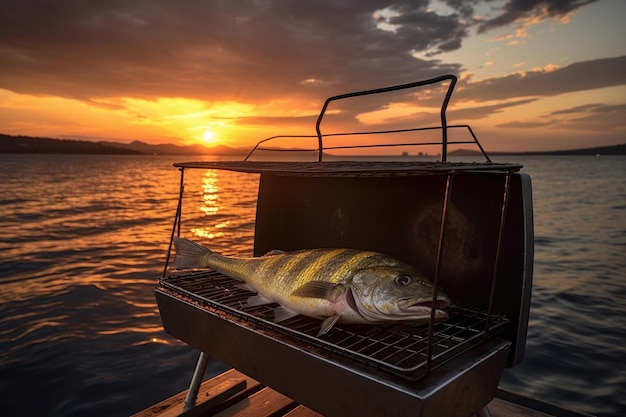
<point x="534" y="75"/>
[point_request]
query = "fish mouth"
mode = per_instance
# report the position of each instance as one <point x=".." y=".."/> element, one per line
<point x="412" y="309"/>
<point x="424" y="306"/>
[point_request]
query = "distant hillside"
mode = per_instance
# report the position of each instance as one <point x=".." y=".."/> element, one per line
<point x="26" y="144"/>
<point x="170" y="149"/>
<point x="601" y="150"/>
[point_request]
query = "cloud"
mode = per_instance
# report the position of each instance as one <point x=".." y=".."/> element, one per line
<point x="302" y="122"/>
<point x="523" y="125"/>
<point x="576" y="110"/>
<point x="593" y="117"/>
<point x="516" y="10"/>
<point x="480" y="112"/>
<point x="244" y="50"/>
<point x="580" y="76"/>
<point x="423" y="30"/>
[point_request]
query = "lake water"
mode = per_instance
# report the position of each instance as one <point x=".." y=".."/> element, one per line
<point x="83" y="239"/>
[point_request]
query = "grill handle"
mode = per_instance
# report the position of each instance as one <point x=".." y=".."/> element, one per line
<point x="444" y="106"/>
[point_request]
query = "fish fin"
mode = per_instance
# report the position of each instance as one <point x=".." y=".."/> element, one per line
<point x="188" y="253"/>
<point x="327" y="324"/>
<point x="274" y="252"/>
<point x="245" y="286"/>
<point x="319" y="289"/>
<point x="283" y="313"/>
<point x="258" y="300"/>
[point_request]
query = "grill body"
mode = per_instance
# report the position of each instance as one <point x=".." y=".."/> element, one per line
<point x="329" y="383"/>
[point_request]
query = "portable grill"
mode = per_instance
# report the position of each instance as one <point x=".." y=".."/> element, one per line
<point x="466" y="225"/>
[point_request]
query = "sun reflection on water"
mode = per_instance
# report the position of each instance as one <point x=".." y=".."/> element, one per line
<point x="210" y="206"/>
<point x="222" y="208"/>
<point x="84" y="240"/>
<point x="210" y="191"/>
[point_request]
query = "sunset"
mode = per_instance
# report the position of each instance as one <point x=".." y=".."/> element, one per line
<point x="313" y="208"/>
<point x="538" y="75"/>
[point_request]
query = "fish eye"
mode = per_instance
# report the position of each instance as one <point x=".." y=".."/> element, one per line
<point x="403" y="280"/>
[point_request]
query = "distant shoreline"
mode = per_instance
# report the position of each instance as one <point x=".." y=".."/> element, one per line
<point x="599" y="150"/>
<point x="35" y="145"/>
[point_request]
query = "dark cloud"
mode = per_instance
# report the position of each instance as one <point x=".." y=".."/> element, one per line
<point x="514" y="10"/>
<point x="579" y="76"/>
<point x="575" y="110"/>
<point x="479" y="112"/>
<point x="596" y="117"/>
<point x="422" y="29"/>
<point x="523" y="125"/>
<point x="592" y="117"/>
<point x="234" y="49"/>
<point x="247" y="50"/>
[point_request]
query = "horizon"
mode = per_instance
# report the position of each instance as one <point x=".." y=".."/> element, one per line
<point x="139" y="146"/>
<point x="532" y="78"/>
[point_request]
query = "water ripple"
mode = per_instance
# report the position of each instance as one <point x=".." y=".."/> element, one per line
<point x="84" y="240"/>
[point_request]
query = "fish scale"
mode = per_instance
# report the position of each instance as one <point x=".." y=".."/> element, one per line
<point x="320" y="265"/>
<point x="340" y="264"/>
<point x="289" y="271"/>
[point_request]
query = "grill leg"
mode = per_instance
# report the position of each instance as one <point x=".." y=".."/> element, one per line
<point x="483" y="412"/>
<point x="194" y="387"/>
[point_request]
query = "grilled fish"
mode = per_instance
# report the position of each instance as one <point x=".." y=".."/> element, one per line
<point x="345" y="285"/>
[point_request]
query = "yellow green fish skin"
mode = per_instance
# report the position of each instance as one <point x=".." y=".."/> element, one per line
<point x="346" y="285"/>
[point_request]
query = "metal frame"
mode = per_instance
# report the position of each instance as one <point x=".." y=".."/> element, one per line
<point x="203" y="358"/>
<point x="443" y="127"/>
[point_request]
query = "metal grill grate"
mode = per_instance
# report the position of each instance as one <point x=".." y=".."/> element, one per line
<point x="352" y="168"/>
<point x="401" y="349"/>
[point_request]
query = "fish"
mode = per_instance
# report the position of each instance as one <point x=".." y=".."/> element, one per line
<point x="332" y="285"/>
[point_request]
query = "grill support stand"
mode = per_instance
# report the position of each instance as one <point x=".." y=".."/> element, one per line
<point x="484" y="412"/>
<point x="194" y="387"/>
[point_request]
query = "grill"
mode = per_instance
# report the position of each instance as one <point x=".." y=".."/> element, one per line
<point x="467" y="225"/>
<point x="399" y="349"/>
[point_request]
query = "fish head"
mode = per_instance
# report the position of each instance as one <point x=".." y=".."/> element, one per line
<point x="390" y="293"/>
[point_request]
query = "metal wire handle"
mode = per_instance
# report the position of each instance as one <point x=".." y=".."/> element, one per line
<point x="444" y="106"/>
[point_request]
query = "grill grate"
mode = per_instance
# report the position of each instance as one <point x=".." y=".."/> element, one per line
<point x="401" y="349"/>
<point x="352" y="168"/>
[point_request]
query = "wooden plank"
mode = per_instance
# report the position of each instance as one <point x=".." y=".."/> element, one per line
<point x="501" y="408"/>
<point x="220" y="389"/>
<point x="256" y="400"/>
<point x="302" y="411"/>
<point x="215" y="397"/>
<point x="266" y="402"/>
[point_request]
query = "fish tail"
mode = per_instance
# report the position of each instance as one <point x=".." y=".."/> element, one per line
<point x="189" y="254"/>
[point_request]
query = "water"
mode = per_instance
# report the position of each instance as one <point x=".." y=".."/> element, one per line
<point x="84" y="238"/>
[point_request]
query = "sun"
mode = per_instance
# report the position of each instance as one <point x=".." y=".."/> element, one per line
<point x="208" y="136"/>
